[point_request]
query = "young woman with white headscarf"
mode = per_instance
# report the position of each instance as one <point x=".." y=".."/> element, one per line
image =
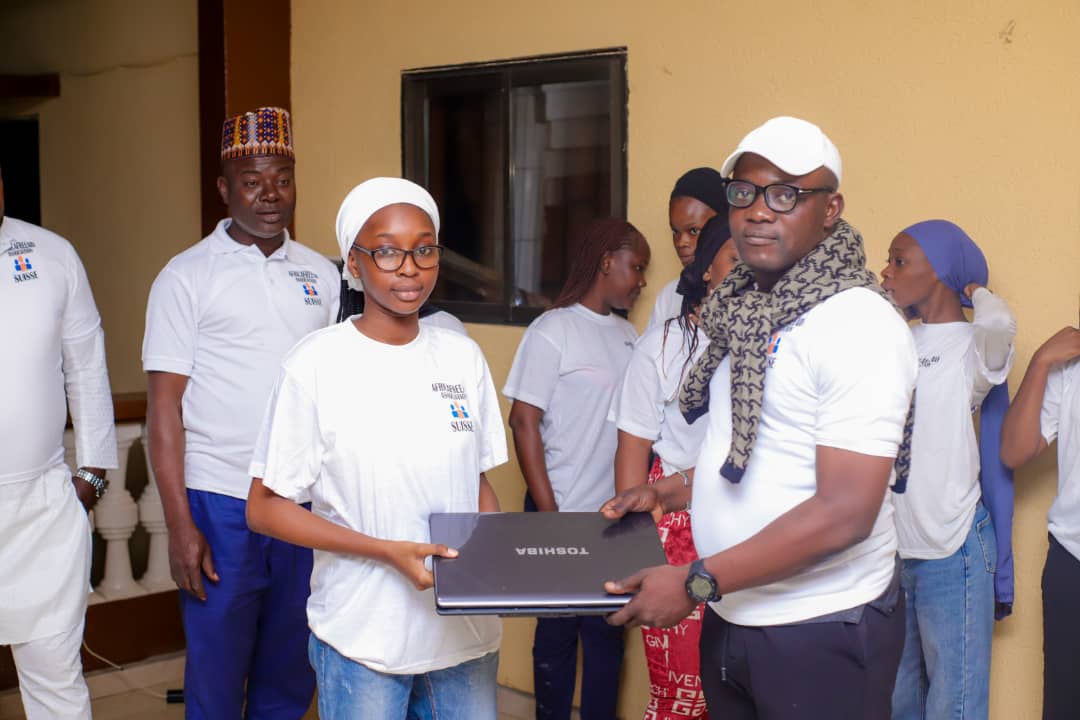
<point x="366" y="419"/>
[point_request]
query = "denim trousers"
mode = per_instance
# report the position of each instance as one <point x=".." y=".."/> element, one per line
<point x="351" y="691"/>
<point x="945" y="668"/>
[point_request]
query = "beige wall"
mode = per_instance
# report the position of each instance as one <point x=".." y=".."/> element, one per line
<point x="119" y="161"/>
<point x="956" y="110"/>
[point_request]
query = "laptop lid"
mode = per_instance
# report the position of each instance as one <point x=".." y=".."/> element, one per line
<point x="539" y="563"/>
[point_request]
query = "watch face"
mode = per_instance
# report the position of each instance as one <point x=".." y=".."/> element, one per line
<point x="700" y="587"/>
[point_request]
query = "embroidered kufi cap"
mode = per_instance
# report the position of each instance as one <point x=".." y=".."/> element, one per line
<point x="264" y="131"/>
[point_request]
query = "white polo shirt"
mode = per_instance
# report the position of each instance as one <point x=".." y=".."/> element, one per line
<point x="840" y="376"/>
<point x="224" y="315"/>
<point x="55" y="333"/>
<point x="1061" y="419"/>
<point x="569" y="363"/>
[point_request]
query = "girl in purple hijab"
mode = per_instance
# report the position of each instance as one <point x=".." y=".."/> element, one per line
<point x="954" y="522"/>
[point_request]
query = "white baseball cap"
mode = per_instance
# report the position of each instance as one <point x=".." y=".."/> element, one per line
<point x="795" y="146"/>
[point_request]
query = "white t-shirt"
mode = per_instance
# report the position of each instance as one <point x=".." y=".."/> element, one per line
<point x="646" y="404"/>
<point x="934" y="514"/>
<point x="569" y="363"/>
<point x="224" y="315"/>
<point x="668" y="305"/>
<point x="1061" y="419"/>
<point x="443" y="319"/>
<point x="55" y="338"/>
<point x="840" y="376"/>
<point x="382" y="436"/>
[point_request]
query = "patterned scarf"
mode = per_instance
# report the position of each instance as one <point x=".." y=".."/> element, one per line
<point x="739" y="321"/>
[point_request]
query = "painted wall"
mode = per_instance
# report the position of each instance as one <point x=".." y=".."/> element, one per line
<point x="939" y="109"/>
<point x="119" y="160"/>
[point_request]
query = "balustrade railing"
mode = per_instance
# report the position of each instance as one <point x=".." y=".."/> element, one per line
<point x="115" y="519"/>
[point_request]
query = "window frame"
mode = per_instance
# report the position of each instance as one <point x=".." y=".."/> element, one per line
<point x="415" y="88"/>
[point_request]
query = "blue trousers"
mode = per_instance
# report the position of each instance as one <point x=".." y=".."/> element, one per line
<point x="555" y="647"/>
<point x="247" y="644"/>
<point x="945" y="669"/>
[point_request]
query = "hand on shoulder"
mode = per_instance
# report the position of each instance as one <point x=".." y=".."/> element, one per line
<point x="1063" y="346"/>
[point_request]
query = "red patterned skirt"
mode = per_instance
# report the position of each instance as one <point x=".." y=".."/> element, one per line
<point x="672" y="653"/>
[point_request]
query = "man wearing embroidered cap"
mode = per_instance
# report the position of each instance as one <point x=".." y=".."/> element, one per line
<point x="220" y="318"/>
<point x="807" y="381"/>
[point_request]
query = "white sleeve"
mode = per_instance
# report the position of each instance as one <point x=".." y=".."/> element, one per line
<point x="994" y="331"/>
<point x="535" y="371"/>
<point x="334" y="282"/>
<point x="171" y="325"/>
<point x="864" y="380"/>
<point x="1050" y="414"/>
<point x="668" y="304"/>
<point x="445" y="320"/>
<point x="492" y="435"/>
<point x="290" y="440"/>
<point x="86" y="376"/>
<point x="638" y="406"/>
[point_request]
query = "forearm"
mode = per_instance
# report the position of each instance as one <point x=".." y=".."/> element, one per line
<point x="165" y="432"/>
<point x="631" y="461"/>
<point x="489" y="501"/>
<point x="842" y="512"/>
<point x="530" y="454"/>
<point x="1021" y="435"/>
<point x="270" y="514"/>
<point x="796" y="540"/>
<point x="674" y="492"/>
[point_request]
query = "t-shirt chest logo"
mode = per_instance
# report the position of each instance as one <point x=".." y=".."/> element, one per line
<point x="772" y="348"/>
<point x="24" y="269"/>
<point x="460" y="420"/>
<point x="308" y="283"/>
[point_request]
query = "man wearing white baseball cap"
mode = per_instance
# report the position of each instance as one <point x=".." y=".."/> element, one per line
<point x="807" y="385"/>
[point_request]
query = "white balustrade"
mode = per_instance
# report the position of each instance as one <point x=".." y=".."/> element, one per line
<point x="157" y="577"/>
<point x="116" y="516"/>
<point x="69" y="459"/>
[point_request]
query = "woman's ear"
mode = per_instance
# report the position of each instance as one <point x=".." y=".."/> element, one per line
<point x="707" y="277"/>
<point x="350" y="262"/>
<point x="605" y="263"/>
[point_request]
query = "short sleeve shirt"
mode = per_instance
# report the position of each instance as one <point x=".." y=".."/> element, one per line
<point x="224" y="315"/>
<point x="569" y="363"/>
<point x="381" y="436"/>
<point x="840" y="376"/>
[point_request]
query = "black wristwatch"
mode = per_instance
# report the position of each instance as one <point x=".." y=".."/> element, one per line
<point x="700" y="585"/>
<point x="98" y="482"/>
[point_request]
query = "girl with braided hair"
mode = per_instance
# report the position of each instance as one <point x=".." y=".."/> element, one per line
<point x="561" y="383"/>
<point x="646" y="412"/>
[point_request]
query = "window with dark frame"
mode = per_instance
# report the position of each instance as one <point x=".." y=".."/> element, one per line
<point x="519" y="155"/>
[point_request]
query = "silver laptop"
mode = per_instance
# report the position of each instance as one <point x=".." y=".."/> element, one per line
<point x="539" y="563"/>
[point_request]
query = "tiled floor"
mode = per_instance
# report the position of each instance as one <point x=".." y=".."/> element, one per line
<point x="114" y="701"/>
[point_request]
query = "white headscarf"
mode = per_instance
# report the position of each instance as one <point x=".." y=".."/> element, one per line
<point x="368" y="198"/>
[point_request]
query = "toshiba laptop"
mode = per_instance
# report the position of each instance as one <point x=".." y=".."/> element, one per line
<point x="539" y="563"/>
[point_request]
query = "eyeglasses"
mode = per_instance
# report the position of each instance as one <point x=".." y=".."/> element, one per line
<point x="778" y="197"/>
<point x="390" y="259"/>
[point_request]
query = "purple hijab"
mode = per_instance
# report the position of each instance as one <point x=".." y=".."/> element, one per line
<point x="958" y="261"/>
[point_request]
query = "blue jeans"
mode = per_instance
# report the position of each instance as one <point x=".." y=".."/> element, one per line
<point x="351" y="691"/>
<point x="945" y="668"/>
<point x="245" y="644"/>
